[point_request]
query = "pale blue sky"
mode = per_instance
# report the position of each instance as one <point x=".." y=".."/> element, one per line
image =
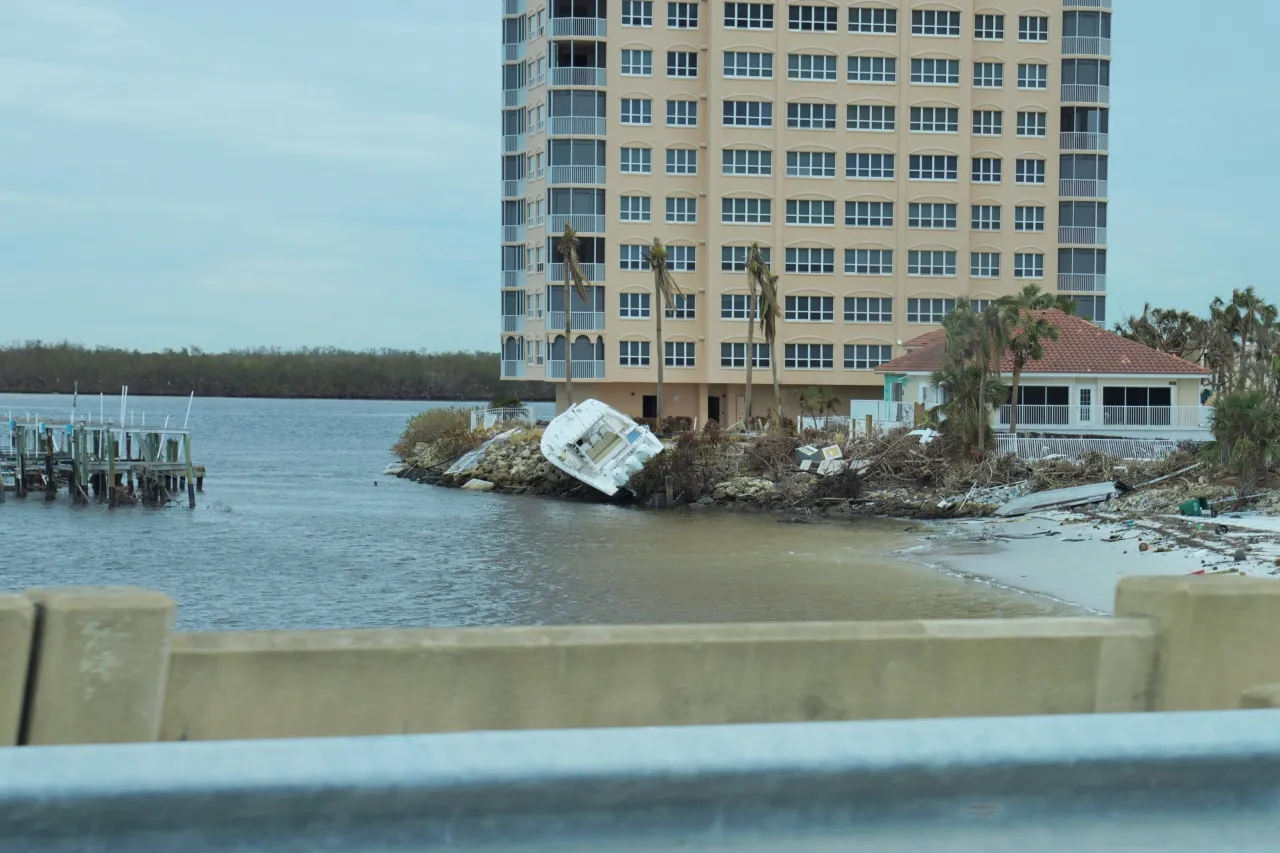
<point x="325" y="172"/>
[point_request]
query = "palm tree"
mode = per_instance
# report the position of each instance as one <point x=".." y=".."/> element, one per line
<point x="572" y="273"/>
<point x="975" y="346"/>
<point x="770" y="311"/>
<point x="1025" y="341"/>
<point x="1246" y="429"/>
<point x="757" y="278"/>
<point x="664" y="291"/>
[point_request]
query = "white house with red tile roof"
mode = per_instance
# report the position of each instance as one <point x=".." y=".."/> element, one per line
<point x="1091" y="382"/>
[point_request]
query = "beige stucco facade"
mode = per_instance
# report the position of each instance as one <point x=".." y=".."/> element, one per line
<point x="527" y="339"/>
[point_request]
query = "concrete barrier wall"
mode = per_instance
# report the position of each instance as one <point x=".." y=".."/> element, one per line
<point x="17" y="622"/>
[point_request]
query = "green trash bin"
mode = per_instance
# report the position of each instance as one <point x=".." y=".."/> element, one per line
<point x="1196" y="507"/>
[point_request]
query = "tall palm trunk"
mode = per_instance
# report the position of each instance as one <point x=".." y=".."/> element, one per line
<point x="568" y="340"/>
<point x="1013" y="398"/>
<point x="662" y="356"/>
<point x="576" y="279"/>
<point x="777" y="393"/>
<point x="751" y="347"/>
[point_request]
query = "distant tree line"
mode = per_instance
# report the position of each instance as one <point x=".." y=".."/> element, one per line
<point x="36" y="368"/>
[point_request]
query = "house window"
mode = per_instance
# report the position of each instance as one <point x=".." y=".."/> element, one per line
<point x="682" y="161"/>
<point x="932" y="22"/>
<point x="805" y="261"/>
<point x="934" y="167"/>
<point x="1033" y="76"/>
<point x="637" y="160"/>
<point x="935" y="72"/>
<point x="873" y="69"/>
<point x="868" y="214"/>
<point x="681" y="113"/>
<point x="745" y="64"/>
<point x="637" y="13"/>
<point x="935" y="120"/>
<point x="633" y="306"/>
<point x="806" y="116"/>
<point x="682" y="210"/>
<point x="634" y="208"/>
<point x="683" y="307"/>
<point x="748" y="114"/>
<point x="735" y="355"/>
<point x="633" y="257"/>
<point x="633" y="353"/>
<point x="1029" y="171"/>
<point x="985" y="217"/>
<point x="1033" y="28"/>
<point x="984" y="264"/>
<point x="748" y="16"/>
<point x="682" y="258"/>
<point x="637" y="63"/>
<point x="734" y="258"/>
<point x="1033" y="123"/>
<point x="929" y="215"/>
<point x="733" y="306"/>
<point x="680" y="353"/>
<point x="682" y="16"/>
<point x="809" y="357"/>
<point x="929" y="310"/>
<point x="868" y="309"/>
<point x="986" y="170"/>
<point x="1028" y="265"/>
<point x="746" y="211"/>
<point x="811" y="66"/>
<point x="988" y="122"/>
<point x="1028" y="218"/>
<point x="810" y="309"/>
<point x="873" y="21"/>
<point x="988" y="75"/>
<point x="803" y="211"/>
<point x="811" y="164"/>
<point x="866" y="356"/>
<point x="637" y="111"/>
<point x="682" y="63"/>
<point x="988" y="27"/>
<point x="868" y="261"/>
<point x="931" y="263"/>
<point x="873" y="167"/>
<point x="742" y="161"/>
<point x="812" y="19"/>
<point x="870" y="117"/>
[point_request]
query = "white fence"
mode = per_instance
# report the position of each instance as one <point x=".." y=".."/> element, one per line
<point x="1033" y="448"/>
<point x="489" y="418"/>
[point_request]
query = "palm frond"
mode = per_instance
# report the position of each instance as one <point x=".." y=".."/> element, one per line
<point x="572" y="267"/>
<point x="665" y="286"/>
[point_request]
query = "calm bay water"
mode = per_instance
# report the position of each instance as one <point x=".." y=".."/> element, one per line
<point x="298" y="528"/>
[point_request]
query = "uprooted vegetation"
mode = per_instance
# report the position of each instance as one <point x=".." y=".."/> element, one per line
<point x="438" y="435"/>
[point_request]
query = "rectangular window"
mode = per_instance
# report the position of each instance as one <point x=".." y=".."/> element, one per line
<point x="682" y="113"/>
<point x="879" y="22"/>
<point x="681" y="353"/>
<point x="804" y="261"/>
<point x="741" y="161"/>
<point x="873" y="69"/>
<point x="985" y="217"/>
<point x="637" y="63"/>
<point x="637" y="13"/>
<point x="810" y="66"/>
<point x="735" y="355"/>
<point x="811" y="164"/>
<point x="929" y="310"/>
<point x="1028" y="265"/>
<point x="936" y="72"/>
<point x="682" y="258"/>
<point x="809" y="357"/>
<point x="932" y="22"/>
<point x="634" y="208"/>
<point x="988" y="122"/>
<point x="682" y="161"/>
<point x="1033" y="28"/>
<point x="803" y="211"/>
<point x="637" y="111"/>
<point x="984" y="264"/>
<point x="748" y="114"/>
<point x="1028" y="218"/>
<point x="868" y="309"/>
<point x="1033" y="76"/>
<point x="681" y="63"/>
<point x="872" y="167"/>
<point x="986" y="170"/>
<point x="868" y="214"/>
<point x="1033" y="124"/>
<point x="931" y="263"/>
<point x="744" y="64"/>
<point x="733" y="306"/>
<point x="988" y="75"/>
<point x="866" y="356"/>
<point x="633" y="257"/>
<point x="682" y="210"/>
<point x="806" y="116"/>
<point x="1029" y="171"/>
<point x="868" y="261"/>
<point x="935" y="120"/>
<point x="746" y="211"/>
<point x="637" y="160"/>
<point x="988" y="27"/>
<point x="934" y="167"/>
<point x="873" y="117"/>
<point x="684" y="307"/>
<point x="734" y="259"/>
<point x="633" y="306"/>
<point x="682" y="16"/>
<point x="1092" y="308"/>
<point x="633" y="353"/>
<point x="748" y="16"/>
<point x="810" y="309"/>
<point x="931" y="215"/>
<point x="812" y="19"/>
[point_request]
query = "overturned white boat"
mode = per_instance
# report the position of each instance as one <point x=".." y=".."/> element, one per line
<point x="598" y="445"/>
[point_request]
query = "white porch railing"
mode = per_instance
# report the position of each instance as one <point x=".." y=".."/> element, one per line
<point x="1082" y="235"/>
<point x="1032" y="449"/>
<point x="582" y="321"/>
<point x="513" y="278"/>
<point x="1082" y="188"/>
<point x="1083" y="141"/>
<point x="514" y="97"/>
<point x="513" y="322"/>
<point x="1085" y="93"/>
<point x="513" y="233"/>
<point x="577" y="126"/>
<point x="581" y="369"/>
<point x="512" y="52"/>
<point x="1082" y="282"/>
<point x="1087" y="4"/>
<point x="513" y="142"/>
<point x="593" y="272"/>
<point x="583" y="223"/>
<point x="513" y="189"/>
<point x="1177" y="417"/>
<point x="1086" y="46"/>
<point x="882" y="412"/>
<point x="513" y="7"/>
<point x="578" y="77"/>
<point x="489" y="418"/>
<point x="588" y="27"/>
<point x="1031" y="416"/>
<point x="512" y="369"/>
<point x="576" y="175"/>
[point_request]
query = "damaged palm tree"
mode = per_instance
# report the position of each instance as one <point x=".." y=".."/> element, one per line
<point x="770" y="311"/>
<point x="757" y="279"/>
<point x="975" y="345"/>
<point x="573" y="275"/>
<point x="664" y="294"/>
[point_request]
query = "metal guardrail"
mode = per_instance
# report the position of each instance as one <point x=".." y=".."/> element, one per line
<point x="1168" y="782"/>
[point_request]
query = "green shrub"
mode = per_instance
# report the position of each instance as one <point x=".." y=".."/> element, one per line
<point x="446" y="429"/>
<point x="1246" y="429"/>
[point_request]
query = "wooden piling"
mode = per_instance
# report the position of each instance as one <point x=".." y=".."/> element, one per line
<point x="191" y="474"/>
<point x="111" y="469"/>
<point x="20" y="488"/>
<point x="869" y="426"/>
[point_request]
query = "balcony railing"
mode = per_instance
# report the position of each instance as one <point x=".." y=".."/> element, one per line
<point x="1032" y="416"/>
<point x="576" y="126"/>
<point x="1176" y="417"/>
<point x="513" y="189"/>
<point x="513" y="52"/>
<point x="1081" y="235"/>
<point x="512" y="368"/>
<point x="513" y="97"/>
<point x="513" y="233"/>
<point x="513" y="322"/>
<point x="576" y="175"/>
<point x="512" y="143"/>
<point x="582" y="321"/>
<point x="578" y="77"/>
<point x="583" y="223"/>
<point x="1082" y="188"/>
<point x="1086" y="46"/>
<point x="587" y="27"/>
<point x="555" y="273"/>
<point x="513" y="278"/>
<point x="1085" y="93"/>
<point x="1084" y="141"/>
<point x="1087" y="4"/>
<point x="513" y="7"/>
<point x="581" y="369"/>
<point x="1082" y="282"/>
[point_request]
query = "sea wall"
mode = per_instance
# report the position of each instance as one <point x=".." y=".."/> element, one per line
<point x="105" y="665"/>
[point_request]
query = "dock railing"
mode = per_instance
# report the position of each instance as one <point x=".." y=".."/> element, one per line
<point x="489" y="418"/>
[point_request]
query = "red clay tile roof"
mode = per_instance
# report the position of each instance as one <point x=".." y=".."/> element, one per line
<point x="1081" y="348"/>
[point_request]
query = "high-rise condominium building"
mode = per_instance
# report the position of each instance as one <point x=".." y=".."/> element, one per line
<point x="888" y="157"/>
